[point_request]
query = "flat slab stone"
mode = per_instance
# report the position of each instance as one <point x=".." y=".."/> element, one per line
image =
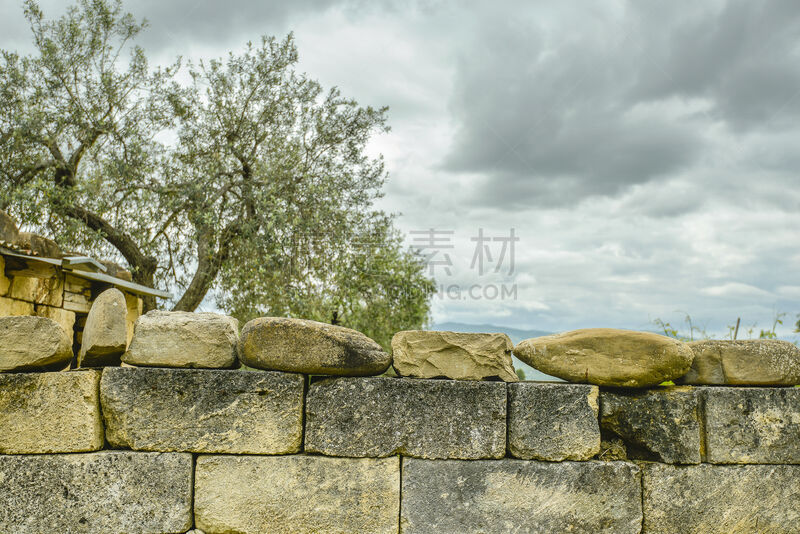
<point x="608" y="357"/>
<point x="50" y="412"/>
<point x="553" y="422"/>
<point x="756" y="362"/>
<point x="383" y="416"/>
<point x="105" y="336"/>
<point x="200" y="410"/>
<point x="297" y="494"/>
<point x="661" y="425"/>
<point x="183" y="339"/>
<point x="723" y="499"/>
<point x="30" y="343"/>
<point x="752" y="425"/>
<point x="501" y="496"/>
<point x="456" y="355"/>
<point x="96" y="493"/>
<point x="309" y="347"/>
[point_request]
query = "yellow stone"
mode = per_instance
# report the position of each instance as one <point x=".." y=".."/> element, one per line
<point x="297" y="494"/>
<point x="50" y="412"/>
<point x="65" y="318"/>
<point x="11" y="308"/>
<point x="608" y="357"/>
<point x="5" y="282"/>
<point x="47" y="291"/>
<point x="135" y="306"/>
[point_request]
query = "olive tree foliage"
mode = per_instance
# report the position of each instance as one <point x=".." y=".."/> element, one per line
<point x="243" y="178"/>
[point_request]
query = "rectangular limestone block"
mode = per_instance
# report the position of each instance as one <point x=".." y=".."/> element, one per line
<point x="47" y="291"/>
<point x="297" y="494"/>
<point x="5" y="282"/>
<point x="204" y="411"/>
<point x="381" y="416"/>
<point x="752" y="425"/>
<point x="553" y="422"/>
<point x="50" y="412"/>
<point x="502" y="496"/>
<point x="65" y="318"/>
<point x="723" y="499"/>
<point x="660" y="424"/>
<point x="96" y="493"/>
<point x="12" y="308"/>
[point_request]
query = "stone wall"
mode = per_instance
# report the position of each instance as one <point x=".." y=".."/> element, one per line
<point x="168" y="450"/>
<point x="57" y="295"/>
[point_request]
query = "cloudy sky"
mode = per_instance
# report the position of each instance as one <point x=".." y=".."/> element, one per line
<point x="645" y="153"/>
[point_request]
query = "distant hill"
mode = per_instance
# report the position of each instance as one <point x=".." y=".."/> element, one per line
<point x="516" y="335"/>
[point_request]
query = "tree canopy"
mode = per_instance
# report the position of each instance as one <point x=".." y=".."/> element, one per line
<point x="244" y="179"/>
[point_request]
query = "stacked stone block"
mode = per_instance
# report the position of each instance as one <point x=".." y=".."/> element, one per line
<point x="155" y="448"/>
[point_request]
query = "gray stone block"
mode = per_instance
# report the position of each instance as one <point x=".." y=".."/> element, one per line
<point x="382" y="416"/>
<point x="297" y="494"/>
<point x="553" y="422"/>
<point x="102" y="493"/>
<point x="199" y="410"/>
<point x="752" y="425"/>
<point x="501" y="496"/>
<point x="661" y="424"/>
<point x="50" y="412"/>
<point x="724" y="499"/>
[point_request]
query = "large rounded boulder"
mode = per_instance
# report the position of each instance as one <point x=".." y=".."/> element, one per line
<point x="608" y="357"/>
<point x="309" y="347"/>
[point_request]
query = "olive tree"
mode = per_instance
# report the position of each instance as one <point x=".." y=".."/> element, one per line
<point x="243" y="179"/>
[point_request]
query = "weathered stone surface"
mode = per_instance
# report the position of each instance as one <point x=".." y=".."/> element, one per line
<point x="757" y="362"/>
<point x="8" y="228"/>
<point x="77" y="294"/>
<point x="31" y="343"/>
<point x="752" y="425"/>
<point x="182" y="339"/>
<point x="501" y="496"/>
<point x="301" y="346"/>
<point x="135" y="307"/>
<point x="39" y="245"/>
<point x="65" y="318"/>
<point x="608" y="357"/>
<point x="297" y="494"/>
<point x="457" y="355"/>
<point x="96" y="493"/>
<point x="50" y="412"/>
<point x="661" y="425"/>
<point x="198" y="410"/>
<point x="47" y="291"/>
<point x="382" y="416"/>
<point x="5" y="282"/>
<point x="553" y="422"/>
<point x="11" y="307"/>
<point x="105" y="335"/>
<point x="723" y="499"/>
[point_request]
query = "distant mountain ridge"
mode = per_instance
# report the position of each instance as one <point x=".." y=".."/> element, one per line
<point x="516" y="334"/>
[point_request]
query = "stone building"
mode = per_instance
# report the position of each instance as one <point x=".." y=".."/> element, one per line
<point x="37" y="278"/>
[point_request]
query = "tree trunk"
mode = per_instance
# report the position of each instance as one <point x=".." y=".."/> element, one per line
<point x="209" y="262"/>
